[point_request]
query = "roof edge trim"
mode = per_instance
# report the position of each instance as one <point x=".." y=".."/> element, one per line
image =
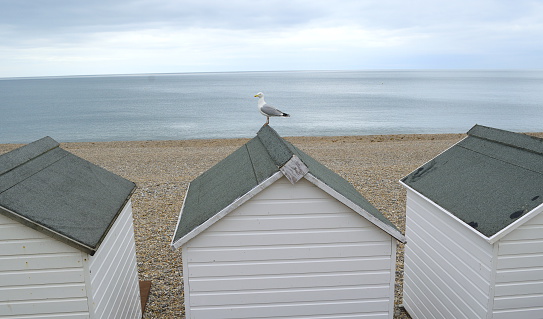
<point x="446" y="212"/>
<point x="47" y="231"/>
<point x="362" y="212"/>
<point x="225" y="211"/>
<point x="519" y="222"/>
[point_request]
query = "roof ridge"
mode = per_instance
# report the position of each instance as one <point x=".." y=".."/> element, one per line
<point x="512" y="139"/>
<point x="22" y="155"/>
<point x="278" y="149"/>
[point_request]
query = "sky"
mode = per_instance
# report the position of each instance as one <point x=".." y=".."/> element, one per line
<point x="76" y="37"/>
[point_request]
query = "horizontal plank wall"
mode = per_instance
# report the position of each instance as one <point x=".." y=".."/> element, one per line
<point x="447" y="267"/>
<point x="39" y="276"/>
<point x="292" y="251"/>
<point x="519" y="274"/>
<point x="113" y="272"/>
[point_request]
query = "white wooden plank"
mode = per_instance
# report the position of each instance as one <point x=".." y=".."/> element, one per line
<point x="280" y="207"/>
<point x="457" y="289"/>
<point x="516" y="302"/>
<point x="16" y="231"/>
<point x="114" y="278"/>
<point x="520" y="275"/>
<point x="292" y="309"/>
<point x="298" y="266"/>
<point x="7" y="221"/>
<point x="71" y="315"/>
<point x="28" y="292"/>
<point x="292" y="222"/>
<point x="421" y="286"/>
<point x="270" y="296"/>
<point x="532" y="313"/>
<point x="518" y="288"/>
<point x="420" y="300"/>
<point x="287" y="281"/>
<point x="282" y="237"/>
<point x="467" y="272"/>
<point x="519" y="261"/>
<point x="33" y="247"/>
<point x="288" y="252"/>
<point x="449" y="229"/>
<point x="521" y="247"/>
<point x="16" y="308"/>
<point x="48" y="261"/>
<point x="301" y="190"/>
<point x="37" y="277"/>
<point x="525" y="232"/>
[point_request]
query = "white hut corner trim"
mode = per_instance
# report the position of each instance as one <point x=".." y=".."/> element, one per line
<point x="294" y="169"/>
<point x="238" y="202"/>
<point x="445" y="211"/>
<point x="374" y="220"/>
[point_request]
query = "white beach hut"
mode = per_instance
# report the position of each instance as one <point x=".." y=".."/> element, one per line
<point x="270" y="232"/>
<point x="66" y="237"/>
<point x="474" y="229"/>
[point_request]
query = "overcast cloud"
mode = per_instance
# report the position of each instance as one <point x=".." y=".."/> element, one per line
<point x="41" y="38"/>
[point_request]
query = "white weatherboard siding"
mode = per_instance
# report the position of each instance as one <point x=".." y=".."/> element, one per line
<point x="39" y="276"/>
<point x="519" y="275"/>
<point x="292" y="251"/>
<point x="113" y="272"/>
<point x="447" y="266"/>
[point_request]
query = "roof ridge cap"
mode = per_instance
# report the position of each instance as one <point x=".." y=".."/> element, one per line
<point x="526" y="142"/>
<point x="278" y="149"/>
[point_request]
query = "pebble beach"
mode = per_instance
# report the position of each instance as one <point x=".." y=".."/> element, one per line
<point x="162" y="171"/>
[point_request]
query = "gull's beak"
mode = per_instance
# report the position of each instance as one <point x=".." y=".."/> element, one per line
<point x="256" y="95"/>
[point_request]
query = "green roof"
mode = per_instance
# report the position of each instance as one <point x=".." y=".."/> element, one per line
<point x="53" y="191"/>
<point x="248" y="167"/>
<point x="488" y="180"/>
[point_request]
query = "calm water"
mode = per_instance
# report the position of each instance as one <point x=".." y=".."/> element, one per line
<point x="221" y="105"/>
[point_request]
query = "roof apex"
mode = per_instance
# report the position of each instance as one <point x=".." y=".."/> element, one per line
<point x="250" y="169"/>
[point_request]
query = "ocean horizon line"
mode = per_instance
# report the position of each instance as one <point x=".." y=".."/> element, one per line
<point x="68" y="76"/>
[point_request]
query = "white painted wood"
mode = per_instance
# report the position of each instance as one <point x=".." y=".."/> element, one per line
<point x="451" y="215"/>
<point x="294" y="169"/>
<point x="39" y="276"/>
<point x="43" y="277"/>
<point x="282" y="254"/>
<point x="113" y="272"/>
<point x="447" y="266"/>
<point x="519" y="274"/>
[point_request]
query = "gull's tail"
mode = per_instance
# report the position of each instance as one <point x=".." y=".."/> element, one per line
<point x="285" y="115"/>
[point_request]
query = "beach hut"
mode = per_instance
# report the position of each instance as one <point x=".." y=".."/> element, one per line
<point x="270" y="232"/>
<point x="474" y="229"/>
<point x="66" y="237"/>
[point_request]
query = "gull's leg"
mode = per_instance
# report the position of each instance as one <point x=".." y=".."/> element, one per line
<point x="267" y="120"/>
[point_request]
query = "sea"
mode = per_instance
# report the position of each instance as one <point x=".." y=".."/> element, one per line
<point x="222" y="105"/>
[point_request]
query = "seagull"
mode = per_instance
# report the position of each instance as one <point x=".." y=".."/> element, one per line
<point x="268" y="110"/>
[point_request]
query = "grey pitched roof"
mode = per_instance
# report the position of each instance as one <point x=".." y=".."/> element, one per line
<point x="488" y="180"/>
<point x="53" y="191"/>
<point x="248" y="167"/>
